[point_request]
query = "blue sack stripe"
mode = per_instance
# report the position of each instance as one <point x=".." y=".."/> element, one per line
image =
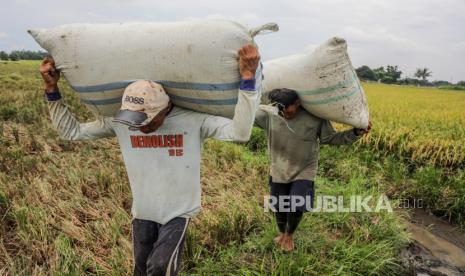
<point x="166" y="84"/>
<point x="200" y="86"/>
<point x="232" y="101"/>
<point x="331" y="100"/>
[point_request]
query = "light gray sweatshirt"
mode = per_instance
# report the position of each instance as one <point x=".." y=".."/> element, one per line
<point x="164" y="166"/>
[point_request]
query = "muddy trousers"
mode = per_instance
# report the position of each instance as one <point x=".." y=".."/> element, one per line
<point x="157" y="247"/>
<point x="288" y="220"/>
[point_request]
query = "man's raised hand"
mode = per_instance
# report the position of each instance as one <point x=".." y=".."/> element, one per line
<point x="249" y="59"/>
<point x="50" y="75"/>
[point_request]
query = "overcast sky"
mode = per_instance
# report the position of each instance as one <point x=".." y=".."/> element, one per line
<point x="407" y="33"/>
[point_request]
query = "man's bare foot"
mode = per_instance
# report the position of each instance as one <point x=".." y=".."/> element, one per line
<point x="287" y="243"/>
<point x="279" y="238"/>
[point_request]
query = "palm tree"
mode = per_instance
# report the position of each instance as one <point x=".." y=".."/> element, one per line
<point x="423" y="73"/>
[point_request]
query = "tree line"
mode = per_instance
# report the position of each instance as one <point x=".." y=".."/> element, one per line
<point x="22" y="55"/>
<point x="392" y="75"/>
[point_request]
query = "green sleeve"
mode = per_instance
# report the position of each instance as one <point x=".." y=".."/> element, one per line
<point x="329" y="136"/>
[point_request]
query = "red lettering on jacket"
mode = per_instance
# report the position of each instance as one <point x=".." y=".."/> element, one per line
<point x="154" y="140"/>
<point x="172" y="139"/>
<point x="134" y="142"/>
<point x="166" y="140"/>
<point x="160" y="141"/>
<point x="179" y="140"/>
<point x="147" y="141"/>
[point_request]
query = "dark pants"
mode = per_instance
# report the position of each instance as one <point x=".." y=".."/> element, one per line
<point x="158" y="248"/>
<point x="289" y="220"/>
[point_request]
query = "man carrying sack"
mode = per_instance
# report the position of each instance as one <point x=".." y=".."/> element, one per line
<point x="161" y="146"/>
<point x="294" y="137"/>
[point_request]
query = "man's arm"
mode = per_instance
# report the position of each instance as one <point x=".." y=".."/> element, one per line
<point x="328" y="135"/>
<point x="62" y="119"/>
<point x="240" y="127"/>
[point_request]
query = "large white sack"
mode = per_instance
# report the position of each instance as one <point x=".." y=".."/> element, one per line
<point x="325" y="81"/>
<point x="195" y="61"/>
